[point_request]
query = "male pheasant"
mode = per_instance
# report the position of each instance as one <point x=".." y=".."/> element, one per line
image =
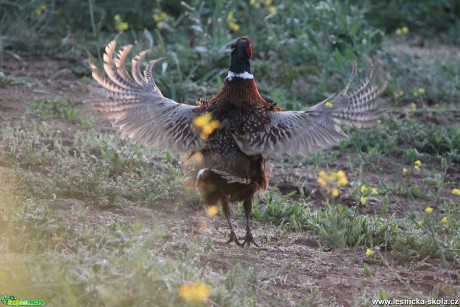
<point x="240" y="129"/>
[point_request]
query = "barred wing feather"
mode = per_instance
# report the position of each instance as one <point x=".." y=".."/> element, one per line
<point x="137" y="106"/>
<point x="318" y="127"/>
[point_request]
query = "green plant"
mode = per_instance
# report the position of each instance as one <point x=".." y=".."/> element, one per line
<point x="338" y="225"/>
<point x="54" y="109"/>
<point x="4" y="298"/>
<point x="428" y="19"/>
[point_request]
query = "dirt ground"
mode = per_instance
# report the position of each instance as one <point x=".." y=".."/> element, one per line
<point x="291" y="261"/>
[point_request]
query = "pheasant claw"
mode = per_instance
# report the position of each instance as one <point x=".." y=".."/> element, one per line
<point x="233" y="238"/>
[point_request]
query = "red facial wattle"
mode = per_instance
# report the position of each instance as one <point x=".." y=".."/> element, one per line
<point x="248" y="46"/>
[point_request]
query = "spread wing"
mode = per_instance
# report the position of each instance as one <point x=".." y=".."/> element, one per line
<point x="318" y="127"/>
<point x="137" y="106"/>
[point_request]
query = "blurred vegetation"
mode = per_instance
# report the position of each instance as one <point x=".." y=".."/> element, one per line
<point x="302" y="49"/>
<point x="300" y="37"/>
<point x="430" y="18"/>
<point x="302" y="53"/>
<point x="65" y="200"/>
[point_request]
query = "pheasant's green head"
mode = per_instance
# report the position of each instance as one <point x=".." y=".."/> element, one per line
<point x="241" y="55"/>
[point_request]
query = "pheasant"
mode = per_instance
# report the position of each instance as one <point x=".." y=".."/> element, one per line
<point x="236" y="131"/>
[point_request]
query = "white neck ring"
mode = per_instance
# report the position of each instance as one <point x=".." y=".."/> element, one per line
<point x="244" y="75"/>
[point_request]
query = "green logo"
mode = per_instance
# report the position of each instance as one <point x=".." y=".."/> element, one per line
<point x="7" y="297"/>
<point x="11" y="300"/>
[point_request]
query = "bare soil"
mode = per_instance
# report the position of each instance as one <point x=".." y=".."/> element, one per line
<point x="294" y="262"/>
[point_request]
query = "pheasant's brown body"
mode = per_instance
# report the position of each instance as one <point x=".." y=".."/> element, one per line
<point x="231" y="159"/>
<point x="238" y="107"/>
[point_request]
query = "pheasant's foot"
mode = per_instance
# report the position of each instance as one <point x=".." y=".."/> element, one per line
<point x="233" y="238"/>
<point x="249" y="239"/>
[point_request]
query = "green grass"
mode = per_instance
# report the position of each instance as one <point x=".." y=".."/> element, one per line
<point x="98" y="168"/>
<point x="339" y="226"/>
<point x="112" y="265"/>
<point x="57" y="109"/>
<point x="410" y="139"/>
<point x="83" y="265"/>
<point x="195" y="40"/>
<point x="92" y="261"/>
<point x="302" y="54"/>
<point x="434" y="19"/>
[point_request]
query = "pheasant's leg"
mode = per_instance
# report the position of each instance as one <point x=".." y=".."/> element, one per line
<point x="233" y="237"/>
<point x="247" y="211"/>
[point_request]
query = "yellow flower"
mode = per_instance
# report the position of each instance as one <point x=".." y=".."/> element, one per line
<point x="428" y="210"/>
<point x="197" y="292"/>
<point x="402" y="30"/>
<point x="343" y="181"/>
<point x="122" y="26"/>
<point x="374" y="191"/>
<point x="212" y="210"/>
<point x="335" y="192"/>
<point x="364" y="189"/>
<point x="421" y="91"/>
<point x="321" y="181"/>
<point x="444" y="220"/>
<point x="418" y="163"/>
<point x="233" y="26"/>
<point x="268" y="2"/>
<point x="413" y="106"/>
<point x="363" y="200"/>
<point x="404" y="170"/>
<point x="202" y="120"/>
<point x="398" y="94"/>
<point x="117" y="17"/>
<point x="208" y="129"/>
<point x="231" y="21"/>
<point x="159" y="16"/>
<point x="196" y="157"/>
<point x="38" y="11"/>
<point x="207" y="124"/>
<point x="456" y="192"/>
<point x="329" y="104"/>
<point x="369" y="252"/>
<point x="214" y="124"/>
<point x="417" y="168"/>
<point x="272" y="9"/>
<point x="420" y="223"/>
<point x="341" y="177"/>
<point x="331" y="181"/>
<point x="255" y="3"/>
